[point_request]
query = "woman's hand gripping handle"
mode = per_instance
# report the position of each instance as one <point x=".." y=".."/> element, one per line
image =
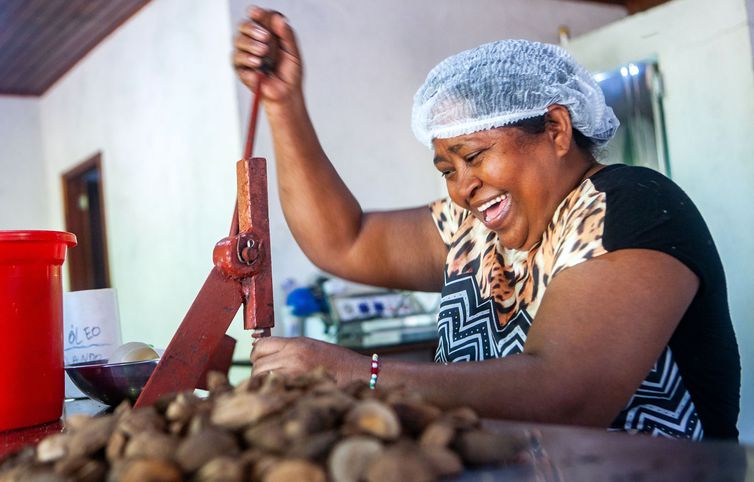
<point x="266" y="42"/>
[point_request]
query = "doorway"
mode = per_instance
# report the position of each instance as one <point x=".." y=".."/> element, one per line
<point x="85" y="217"/>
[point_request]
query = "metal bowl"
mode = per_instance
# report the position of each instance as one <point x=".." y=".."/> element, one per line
<point x="111" y="383"/>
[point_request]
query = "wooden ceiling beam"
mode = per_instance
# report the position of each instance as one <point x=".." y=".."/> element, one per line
<point x="609" y="2"/>
<point x="632" y="6"/>
<point x="41" y="40"/>
<point x="76" y="33"/>
<point x="635" y="6"/>
<point x="41" y="33"/>
<point x="19" y="21"/>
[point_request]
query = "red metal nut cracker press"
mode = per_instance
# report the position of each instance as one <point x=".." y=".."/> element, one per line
<point x="242" y="275"/>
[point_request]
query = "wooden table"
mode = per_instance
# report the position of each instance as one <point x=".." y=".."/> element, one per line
<point x="557" y="453"/>
<point x="560" y="453"/>
<point x="13" y="440"/>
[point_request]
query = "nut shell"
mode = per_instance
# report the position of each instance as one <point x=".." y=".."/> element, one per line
<point x="295" y="469"/>
<point x="372" y="417"/>
<point x="198" y="449"/>
<point x="150" y="470"/>
<point x="400" y="463"/>
<point x="351" y="457"/>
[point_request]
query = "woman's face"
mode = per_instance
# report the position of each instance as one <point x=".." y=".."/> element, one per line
<point x="511" y="181"/>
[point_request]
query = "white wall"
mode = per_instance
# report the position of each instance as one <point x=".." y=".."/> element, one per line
<point x="705" y="56"/>
<point x="750" y="11"/>
<point x="23" y="193"/>
<point x="363" y="63"/>
<point x="158" y="99"/>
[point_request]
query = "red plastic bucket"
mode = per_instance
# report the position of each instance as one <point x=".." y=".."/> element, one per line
<point x="31" y="324"/>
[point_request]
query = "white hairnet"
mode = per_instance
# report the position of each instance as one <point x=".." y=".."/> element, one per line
<point x="499" y="83"/>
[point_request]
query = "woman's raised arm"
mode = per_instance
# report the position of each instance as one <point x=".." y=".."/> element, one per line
<point x="397" y="249"/>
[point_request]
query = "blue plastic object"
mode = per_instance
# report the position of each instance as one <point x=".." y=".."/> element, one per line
<point x="304" y="302"/>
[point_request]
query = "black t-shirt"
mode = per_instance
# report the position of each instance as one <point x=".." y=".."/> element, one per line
<point x="491" y="294"/>
<point x="647" y="210"/>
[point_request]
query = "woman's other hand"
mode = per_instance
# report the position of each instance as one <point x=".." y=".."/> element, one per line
<point x="265" y="41"/>
<point x="294" y="356"/>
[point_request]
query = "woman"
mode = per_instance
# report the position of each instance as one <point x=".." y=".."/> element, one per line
<point x="574" y="292"/>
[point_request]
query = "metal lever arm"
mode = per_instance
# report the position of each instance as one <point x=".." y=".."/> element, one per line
<point x="254" y="220"/>
<point x="242" y="274"/>
<point x="196" y="340"/>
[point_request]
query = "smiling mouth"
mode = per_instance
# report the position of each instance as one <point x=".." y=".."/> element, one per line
<point x="495" y="208"/>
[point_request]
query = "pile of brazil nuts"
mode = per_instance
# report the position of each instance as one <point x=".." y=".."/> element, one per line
<point x="272" y="429"/>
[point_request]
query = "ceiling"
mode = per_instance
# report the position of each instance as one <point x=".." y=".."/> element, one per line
<point x="633" y="6"/>
<point x="40" y="40"/>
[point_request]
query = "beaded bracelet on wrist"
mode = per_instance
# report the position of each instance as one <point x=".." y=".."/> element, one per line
<point x="375" y="371"/>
